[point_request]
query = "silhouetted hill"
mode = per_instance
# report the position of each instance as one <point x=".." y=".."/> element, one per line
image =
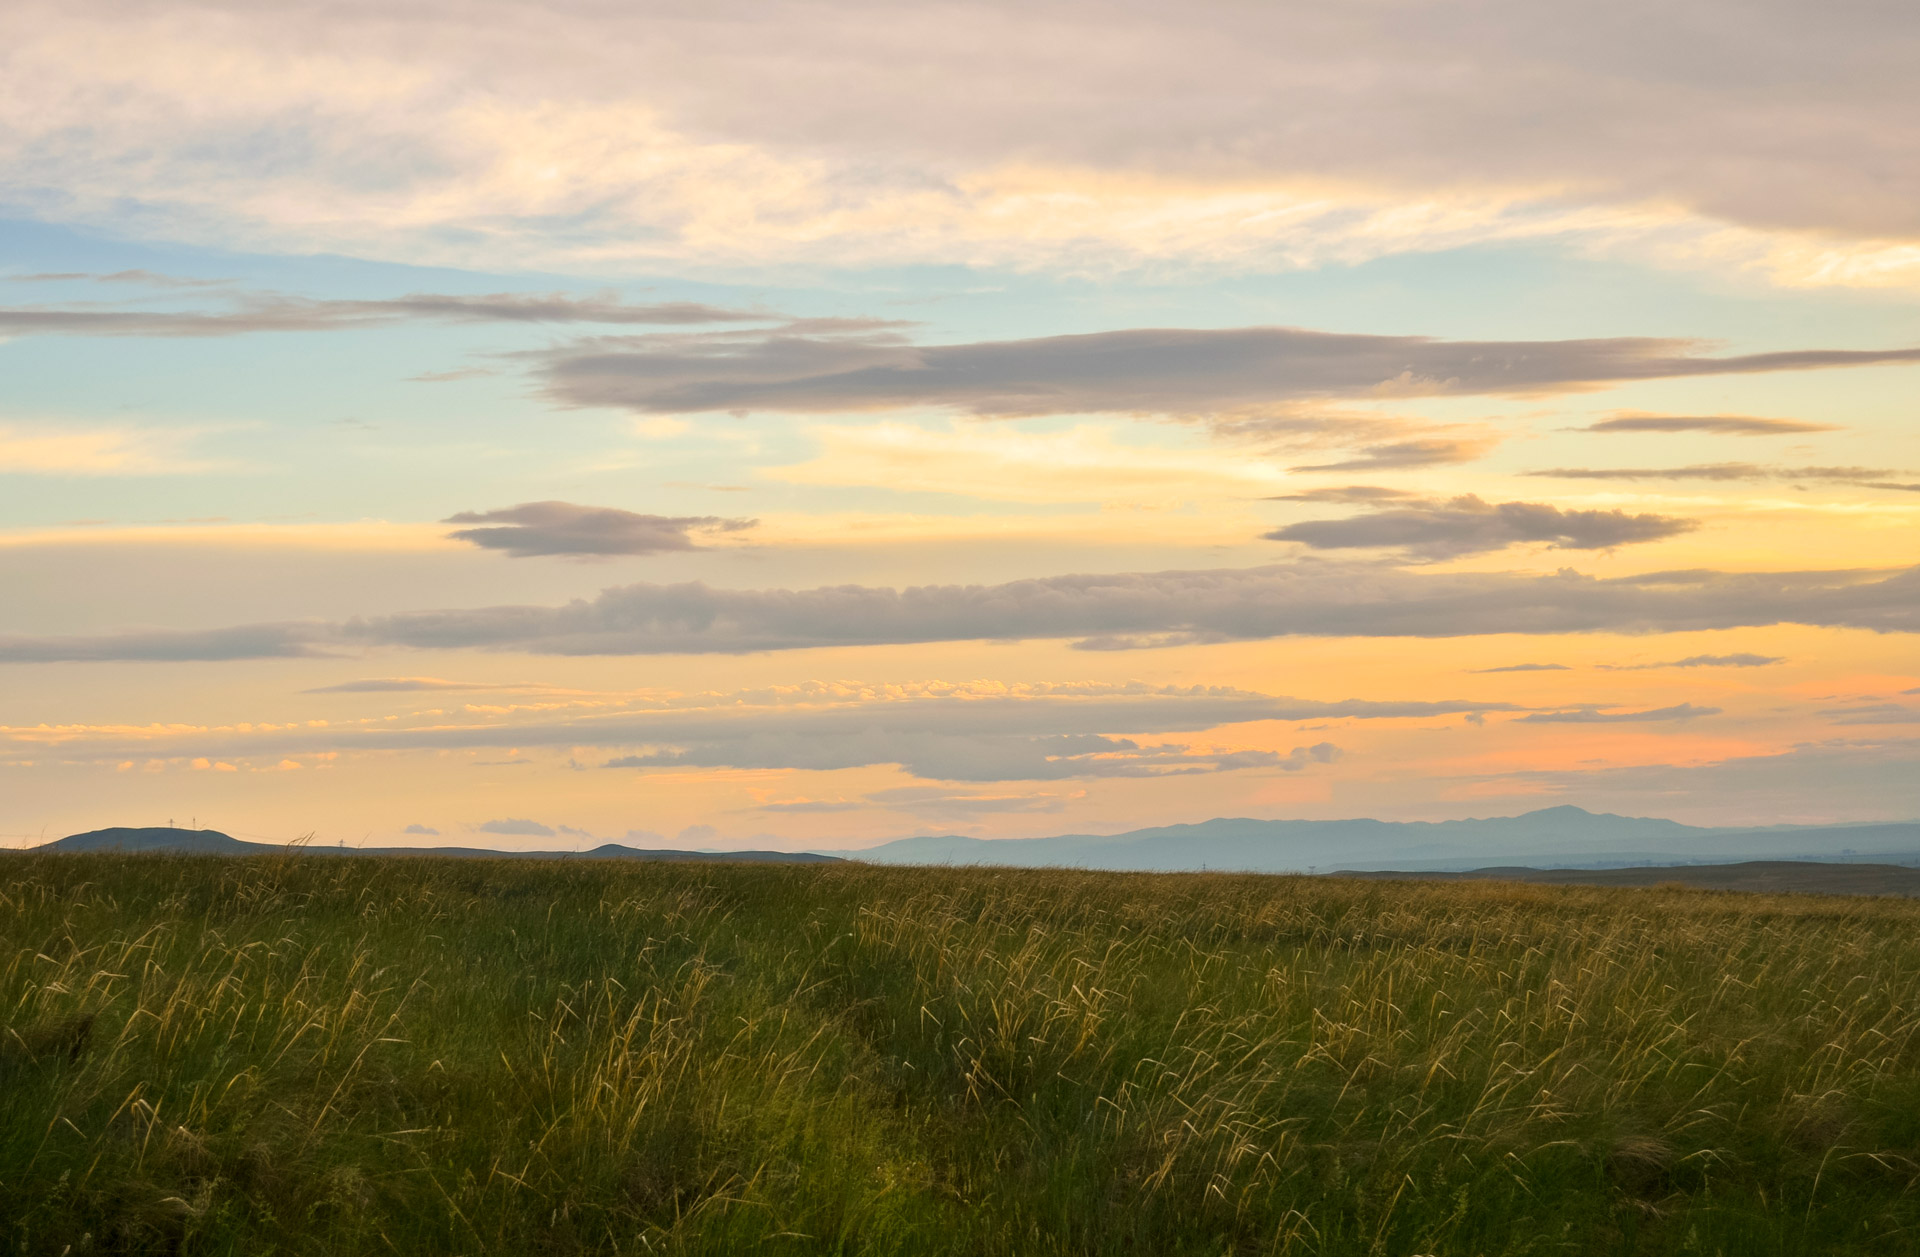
<point x="158" y="838"/>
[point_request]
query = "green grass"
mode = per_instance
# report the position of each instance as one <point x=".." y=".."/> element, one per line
<point x="323" y="1055"/>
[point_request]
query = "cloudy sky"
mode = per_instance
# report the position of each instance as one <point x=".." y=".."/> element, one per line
<point x="806" y="424"/>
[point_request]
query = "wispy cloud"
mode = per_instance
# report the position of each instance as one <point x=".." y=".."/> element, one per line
<point x="1874" y="714"/>
<point x="1864" y="477"/>
<point x="1400" y="455"/>
<point x="1724" y="425"/>
<point x="253" y="641"/>
<point x="1525" y="667"/>
<point x="1596" y="716"/>
<point x="978" y="732"/>
<point x="1143" y="371"/>
<point x="1741" y="660"/>
<point x="962" y="757"/>
<point x="151" y="279"/>
<point x="244" y="314"/>
<point x="1307" y="598"/>
<point x="564" y="528"/>
<point x="1353" y="494"/>
<point x="405" y="685"/>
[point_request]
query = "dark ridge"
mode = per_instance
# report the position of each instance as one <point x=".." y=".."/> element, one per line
<point x="1797" y="877"/>
<point x="166" y="839"/>
<point x="158" y="838"/>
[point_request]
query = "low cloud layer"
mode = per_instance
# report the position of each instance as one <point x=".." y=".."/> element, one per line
<point x="1470" y="525"/>
<point x="983" y="732"/>
<point x="1310" y="598"/>
<point x="1143" y="371"/>
<point x="564" y="528"/>
<point x="973" y="757"/>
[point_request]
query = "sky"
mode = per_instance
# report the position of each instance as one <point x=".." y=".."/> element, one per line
<point x="802" y="425"/>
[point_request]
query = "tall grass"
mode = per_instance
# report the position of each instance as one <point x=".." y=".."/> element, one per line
<point x="325" y="1055"/>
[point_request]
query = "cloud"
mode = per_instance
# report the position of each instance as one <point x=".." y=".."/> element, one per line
<point x="563" y="528"/>
<point x="1141" y="371"/>
<point x="152" y="279"/>
<point x="1875" y="714"/>
<point x="1423" y="452"/>
<point x="983" y="731"/>
<point x="1594" y="716"/>
<point x="1469" y="525"/>
<point x="426" y="830"/>
<point x="1311" y="597"/>
<point x="254" y="641"/>
<point x="1526" y="667"/>
<point x="1865" y="477"/>
<point x="1359" y="494"/>
<point x="399" y="685"/>
<point x="1727" y="425"/>
<point x="601" y="135"/>
<point x="248" y="313"/>
<point x="942" y="756"/>
<point x="1742" y="660"/>
<point x="517" y="828"/>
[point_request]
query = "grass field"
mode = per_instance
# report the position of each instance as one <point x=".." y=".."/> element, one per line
<point x="323" y="1055"/>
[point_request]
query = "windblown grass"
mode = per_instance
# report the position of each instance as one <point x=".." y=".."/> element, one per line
<point x="323" y="1055"/>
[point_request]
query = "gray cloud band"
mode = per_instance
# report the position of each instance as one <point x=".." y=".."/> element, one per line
<point x="1862" y="477"/>
<point x="1304" y="599"/>
<point x="249" y="313"/>
<point x="1469" y="525"/>
<point x="1141" y="371"/>
<point x="564" y="528"/>
<point x="1725" y="425"/>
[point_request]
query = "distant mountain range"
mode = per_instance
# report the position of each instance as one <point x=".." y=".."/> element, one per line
<point x="213" y="842"/>
<point x="1552" y="838"/>
<point x="1555" y="837"/>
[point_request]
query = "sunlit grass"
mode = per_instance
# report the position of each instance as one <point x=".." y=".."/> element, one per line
<point x="325" y="1055"/>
